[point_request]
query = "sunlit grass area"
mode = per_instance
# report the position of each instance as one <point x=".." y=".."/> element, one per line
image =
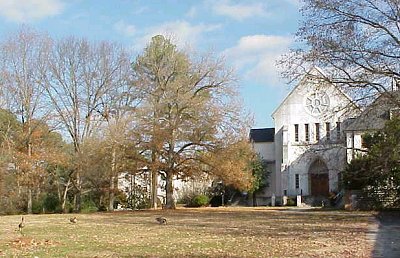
<point x="205" y="232"/>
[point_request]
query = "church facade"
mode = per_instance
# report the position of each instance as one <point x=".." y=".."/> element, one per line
<point x="306" y="150"/>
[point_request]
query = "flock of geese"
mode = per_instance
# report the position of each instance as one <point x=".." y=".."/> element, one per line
<point x="74" y="220"/>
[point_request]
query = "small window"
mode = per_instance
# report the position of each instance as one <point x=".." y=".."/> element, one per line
<point x="338" y="130"/>
<point x="328" y="131"/>
<point x="317" y="133"/>
<point x="296" y="132"/>
<point x="297" y="181"/>
<point x="307" y="129"/>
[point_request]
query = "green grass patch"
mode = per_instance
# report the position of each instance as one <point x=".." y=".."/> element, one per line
<point x="200" y="232"/>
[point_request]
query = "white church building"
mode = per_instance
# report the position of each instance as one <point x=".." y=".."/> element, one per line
<point x="317" y="131"/>
<point x="306" y="150"/>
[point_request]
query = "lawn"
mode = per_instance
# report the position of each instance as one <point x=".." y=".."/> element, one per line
<point x="205" y="232"/>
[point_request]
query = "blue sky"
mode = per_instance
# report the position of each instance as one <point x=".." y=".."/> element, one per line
<point x="250" y="34"/>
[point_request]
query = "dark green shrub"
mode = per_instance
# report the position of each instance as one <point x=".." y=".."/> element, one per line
<point x="291" y="202"/>
<point x="51" y="203"/>
<point x="102" y="208"/>
<point x="69" y="207"/>
<point x="8" y="207"/>
<point x="216" y="201"/>
<point x="37" y="206"/>
<point x="88" y="206"/>
<point x="199" y="201"/>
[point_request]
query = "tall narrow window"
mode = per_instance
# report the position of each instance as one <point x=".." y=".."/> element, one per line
<point x="307" y="130"/>
<point x="297" y="181"/>
<point x="328" y="131"/>
<point x="338" y="130"/>
<point x="317" y="134"/>
<point x="296" y="132"/>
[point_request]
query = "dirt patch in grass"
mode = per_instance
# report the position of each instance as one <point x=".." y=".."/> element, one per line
<point x="204" y="232"/>
<point x="28" y="242"/>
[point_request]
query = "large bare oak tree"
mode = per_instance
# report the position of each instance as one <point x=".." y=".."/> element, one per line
<point x="188" y="110"/>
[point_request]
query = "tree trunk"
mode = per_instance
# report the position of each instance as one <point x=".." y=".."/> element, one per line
<point x="101" y="200"/>
<point x="59" y="191"/>
<point x="64" y="197"/>
<point x="154" y="180"/>
<point x="111" y="196"/>
<point x="154" y="186"/>
<point x="77" y="197"/>
<point x="29" y="201"/>
<point x="254" y="199"/>
<point x="29" y="155"/>
<point x="249" y="199"/>
<point x="170" y="192"/>
<point x="38" y="192"/>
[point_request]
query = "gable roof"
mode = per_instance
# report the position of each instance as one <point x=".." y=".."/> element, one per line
<point x="377" y="114"/>
<point x="315" y="71"/>
<point x="262" y="135"/>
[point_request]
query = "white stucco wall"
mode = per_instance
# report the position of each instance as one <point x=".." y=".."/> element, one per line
<point x="267" y="152"/>
<point x="296" y="157"/>
<point x="265" y="149"/>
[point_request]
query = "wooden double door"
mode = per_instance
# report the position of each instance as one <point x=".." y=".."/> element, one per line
<point x="319" y="178"/>
<point x="320" y="184"/>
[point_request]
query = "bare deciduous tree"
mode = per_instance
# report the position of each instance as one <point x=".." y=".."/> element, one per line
<point x="188" y="109"/>
<point x="24" y="57"/>
<point x="82" y="75"/>
<point x="357" y="41"/>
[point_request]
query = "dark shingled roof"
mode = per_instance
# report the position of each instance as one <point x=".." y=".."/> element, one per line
<point x="262" y="135"/>
<point x="377" y="114"/>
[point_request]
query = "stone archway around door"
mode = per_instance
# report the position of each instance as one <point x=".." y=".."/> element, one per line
<point x="319" y="178"/>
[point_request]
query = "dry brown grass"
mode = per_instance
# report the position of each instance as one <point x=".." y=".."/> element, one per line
<point x="205" y="232"/>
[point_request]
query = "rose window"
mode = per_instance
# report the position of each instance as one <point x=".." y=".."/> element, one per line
<point x="317" y="103"/>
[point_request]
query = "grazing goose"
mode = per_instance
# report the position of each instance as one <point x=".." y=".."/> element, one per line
<point x="73" y="220"/>
<point x="162" y="220"/>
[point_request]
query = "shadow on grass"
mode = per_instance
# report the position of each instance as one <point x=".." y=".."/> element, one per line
<point x="274" y="223"/>
<point x="387" y="235"/>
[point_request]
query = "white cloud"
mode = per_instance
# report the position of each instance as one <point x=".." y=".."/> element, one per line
<point x="125" y="29"/>
<point x="238" y="11"/>
<point x="182" y="32"/>
<point x="28" y="10"/>
<point x="256" y="56"/>
<point x="192" y="12"/>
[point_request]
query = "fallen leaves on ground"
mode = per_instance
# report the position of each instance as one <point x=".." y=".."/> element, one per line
<point x="205" y="232"/>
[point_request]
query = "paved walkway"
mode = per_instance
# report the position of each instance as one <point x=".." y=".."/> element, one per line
<point x="386" y="235"/>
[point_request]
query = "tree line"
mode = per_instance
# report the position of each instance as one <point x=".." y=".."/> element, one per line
<point x="75" y="114"/>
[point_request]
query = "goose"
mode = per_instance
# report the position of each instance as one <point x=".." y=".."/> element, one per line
<point x="21" y="225"/>
<point x="162" y="220"/>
